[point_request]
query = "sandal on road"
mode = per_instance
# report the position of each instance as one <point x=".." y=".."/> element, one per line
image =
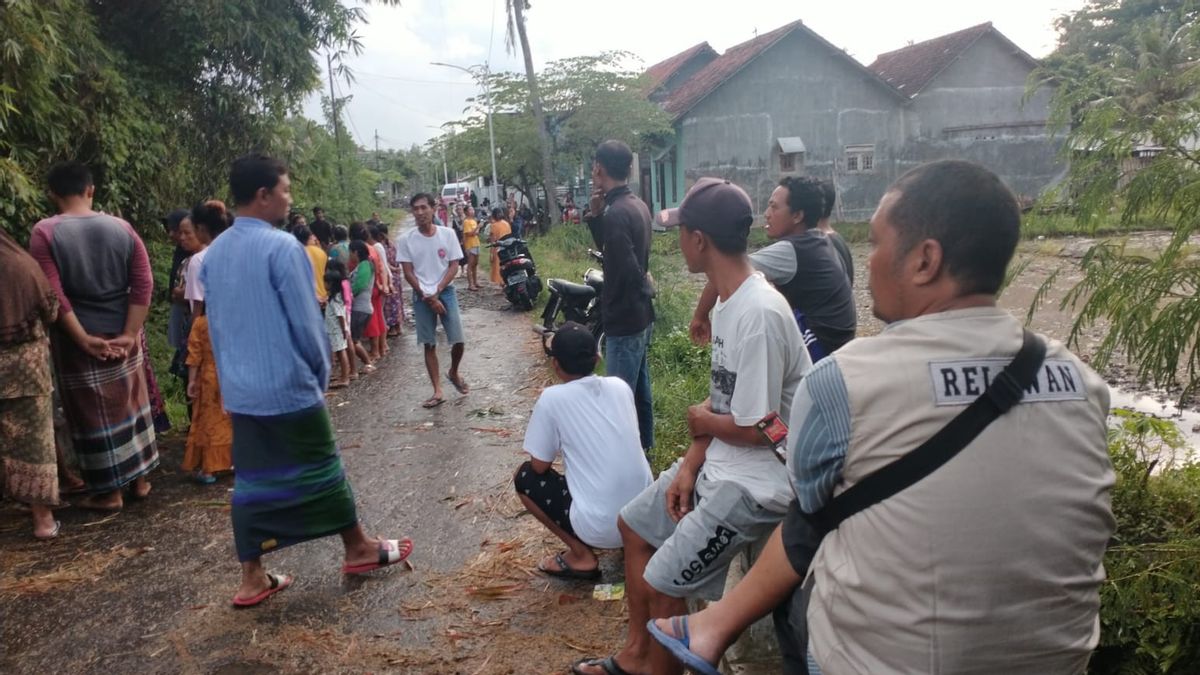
<point x="278" y="583"/>
<point x="433" y="402"/>
<point x="459" y="383"/>
<point x="565" y="571"/>
<point x="53" y="533"/>
<point x="680" y="645"/>
<point x="608" y="664"/>
<point x="391" y="551"/>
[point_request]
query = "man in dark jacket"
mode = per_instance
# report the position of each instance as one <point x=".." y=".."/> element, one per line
<point x="620" y="225"/>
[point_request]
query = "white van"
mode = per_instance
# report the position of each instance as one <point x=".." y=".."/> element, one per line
<point x="453" y="192"/>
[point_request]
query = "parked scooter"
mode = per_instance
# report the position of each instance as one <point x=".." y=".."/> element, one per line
<point x="576" y="302"/>
<point x="522" y="286"/>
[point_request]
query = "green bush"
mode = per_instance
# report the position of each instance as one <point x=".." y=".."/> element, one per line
<point x="1150" y="602"/>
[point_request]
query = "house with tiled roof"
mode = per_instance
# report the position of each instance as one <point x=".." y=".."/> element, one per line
<point x="789" y="102"/>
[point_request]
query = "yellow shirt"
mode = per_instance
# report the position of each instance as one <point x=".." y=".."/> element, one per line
<point x="470" y="233"/>
<point x="318" y="259"/>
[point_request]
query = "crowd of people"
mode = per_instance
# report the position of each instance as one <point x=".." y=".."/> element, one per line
<point x="931" y="499"/>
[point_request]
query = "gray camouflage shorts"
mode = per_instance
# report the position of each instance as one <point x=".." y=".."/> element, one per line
<point x="694" y="554"/>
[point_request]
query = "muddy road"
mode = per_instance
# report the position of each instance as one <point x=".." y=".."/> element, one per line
<point x="148" y="591"/>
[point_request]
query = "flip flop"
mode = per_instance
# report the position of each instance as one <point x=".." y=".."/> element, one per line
<point x="278" y="583"/>
<point x="459" y="383"/>
<point x="203" y="478"/>
<point x="53" y="533"/>
<point x="391" y="551"/>
<point x="565" y="571"/>
<point x="433" y="402"/>
<point x="679" y="646"/>
<point x="608" y="664"/>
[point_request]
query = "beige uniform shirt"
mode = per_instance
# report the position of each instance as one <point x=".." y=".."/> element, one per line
<point x="992" y="564"/>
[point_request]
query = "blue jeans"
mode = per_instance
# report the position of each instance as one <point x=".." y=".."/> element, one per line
<point x="625" y="357"/>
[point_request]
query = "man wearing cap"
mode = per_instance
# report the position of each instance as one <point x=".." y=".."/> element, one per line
<point x="804" y="265"/>
<point x="590" y="421"/>
<point x="729" y="490"/>
<point x="992" y="562"/>
<point x="620" y="225"/>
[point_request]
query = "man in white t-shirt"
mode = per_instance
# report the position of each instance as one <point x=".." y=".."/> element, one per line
<point x="591" y="421"/>
<point x="429" y="256"/>
<point x="729" y="490"/>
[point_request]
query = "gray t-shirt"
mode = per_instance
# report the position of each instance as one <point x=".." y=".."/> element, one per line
<point x="807" y="270"/>
<point x="843" y="251"/>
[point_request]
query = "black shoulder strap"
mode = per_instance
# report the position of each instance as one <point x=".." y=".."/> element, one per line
<point x="1004" y="392"/>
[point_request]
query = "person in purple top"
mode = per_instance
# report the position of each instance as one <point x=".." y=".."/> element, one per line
<point x="99" y="269"/>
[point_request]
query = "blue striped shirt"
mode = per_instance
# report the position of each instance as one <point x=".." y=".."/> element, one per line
<point x="819" y="435"/>
<point x="268" y="336"/>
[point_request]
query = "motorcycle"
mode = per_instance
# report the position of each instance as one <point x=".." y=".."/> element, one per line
<point x="522" y="286"/>
<point x="575" y="302"/>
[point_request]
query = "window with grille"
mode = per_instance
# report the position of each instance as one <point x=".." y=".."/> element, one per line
<point x="860" y="158"/>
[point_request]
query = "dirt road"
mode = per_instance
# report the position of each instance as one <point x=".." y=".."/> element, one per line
<point x="148" y="591"/>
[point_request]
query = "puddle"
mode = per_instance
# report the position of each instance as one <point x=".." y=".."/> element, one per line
<point x="1187" y="420"/>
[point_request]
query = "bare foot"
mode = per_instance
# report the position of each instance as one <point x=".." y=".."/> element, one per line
<point x="108" y="503"/>
<point x="141" y="489"/>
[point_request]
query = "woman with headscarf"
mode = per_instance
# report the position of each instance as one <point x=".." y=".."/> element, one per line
<point x="28" y="307"/>
<point x="98" y="267"/>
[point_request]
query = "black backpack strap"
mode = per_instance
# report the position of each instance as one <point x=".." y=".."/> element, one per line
<point x="1001" y="395"/>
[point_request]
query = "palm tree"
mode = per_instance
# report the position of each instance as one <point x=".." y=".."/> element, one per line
<point x="516" y="26"/>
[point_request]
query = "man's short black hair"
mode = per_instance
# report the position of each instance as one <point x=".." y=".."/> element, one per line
<point x="829" y="192"/>
<point x="340" y="233"/>
<point x="805" y="194"/>
<point x="251" y="173"/>
<point x="965" y="208"/>
<point x="317" y="209"/>
<point x="69" y="179"/>
<point x="419" y="196"/>
<point x="358" y="231"/>
<point x="499" y="213"/>
<point x="616" y="158"/>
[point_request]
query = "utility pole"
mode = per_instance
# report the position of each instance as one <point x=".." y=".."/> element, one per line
<point x="337" y="130"/>
<point x="378" y="166"/>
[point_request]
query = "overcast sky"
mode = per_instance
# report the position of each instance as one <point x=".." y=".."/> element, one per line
<point x="399" y="94"/>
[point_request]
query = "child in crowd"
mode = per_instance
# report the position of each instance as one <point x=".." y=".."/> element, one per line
<point x="393" y="304"/>
<point x="336" y="323"/>
<point x="362" y="282"/>
<point x="341" y="246"/>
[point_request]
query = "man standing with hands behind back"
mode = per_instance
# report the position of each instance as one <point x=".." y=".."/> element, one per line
<point x="620" y="225"/>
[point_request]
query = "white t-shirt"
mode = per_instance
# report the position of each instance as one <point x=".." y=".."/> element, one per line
<point x="430" y="256"/>
<point x="593" y="423"/>
<point x="193" y="290"/>
<point x="758" y="359"/>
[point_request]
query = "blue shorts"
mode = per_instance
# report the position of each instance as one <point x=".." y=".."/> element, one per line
<point x="427" y="320"/>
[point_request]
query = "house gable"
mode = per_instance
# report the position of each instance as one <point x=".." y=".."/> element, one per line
<point x="664" y="77"/>
<point x="728" y="65"/>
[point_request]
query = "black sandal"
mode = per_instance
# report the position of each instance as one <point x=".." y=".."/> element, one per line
<point x="565" y="571"/>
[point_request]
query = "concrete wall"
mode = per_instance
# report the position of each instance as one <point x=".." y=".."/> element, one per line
<point x="796" y="88"/>
<point x="975" y="110"/>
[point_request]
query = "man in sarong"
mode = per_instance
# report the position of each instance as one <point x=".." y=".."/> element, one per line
<point x="272" y="357"/>
<point x="98" y="267"/>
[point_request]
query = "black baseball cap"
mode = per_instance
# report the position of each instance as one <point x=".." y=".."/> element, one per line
<point x="714" y="206"/>
<point x="575" y="348"/>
